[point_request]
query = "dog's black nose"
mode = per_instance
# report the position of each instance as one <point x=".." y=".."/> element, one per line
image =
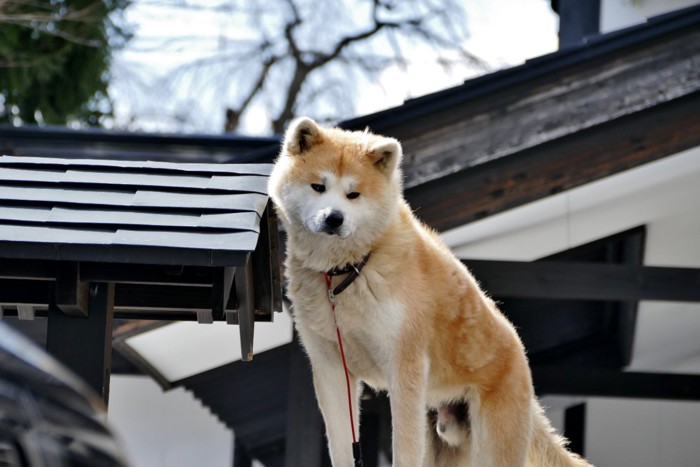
<point x="334" y="219"/>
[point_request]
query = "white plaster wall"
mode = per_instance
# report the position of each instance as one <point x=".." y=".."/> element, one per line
<point x="642" y="433"/>
<point x="166" y="429"/>
<point x="618" y="14"/>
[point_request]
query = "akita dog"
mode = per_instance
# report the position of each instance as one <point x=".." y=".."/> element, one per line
<point x="414" y="321"/>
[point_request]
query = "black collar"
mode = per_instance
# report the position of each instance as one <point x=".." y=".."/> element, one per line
<point x="352" y="270"/>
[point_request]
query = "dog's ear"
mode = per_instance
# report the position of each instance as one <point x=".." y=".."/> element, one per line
<point x="301" y="135"/>
<point x="386" y="155"/>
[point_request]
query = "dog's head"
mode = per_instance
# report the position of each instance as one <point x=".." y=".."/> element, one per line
<point x="336" y="184"/>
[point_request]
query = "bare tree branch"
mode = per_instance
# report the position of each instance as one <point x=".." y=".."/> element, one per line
<point x="233" y="116"/>
<point x="289" y="31"/>
<point x="302" y="53"/>
<point x="45" y="23"/>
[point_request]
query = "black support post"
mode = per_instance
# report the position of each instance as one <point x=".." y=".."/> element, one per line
<point x="84" y="344"/>
<point x="241" y="458"/>
<point x="575" y="428"/>
<point x="221" y="291"/>
<point x="578" y="20"/>
<point x="304" y="440"/>
<point x="245" y="294"/>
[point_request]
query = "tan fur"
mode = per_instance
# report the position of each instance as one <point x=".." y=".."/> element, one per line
<point x="414" y="323"/>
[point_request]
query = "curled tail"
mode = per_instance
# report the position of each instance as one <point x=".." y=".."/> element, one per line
<point x="547" y="448"/>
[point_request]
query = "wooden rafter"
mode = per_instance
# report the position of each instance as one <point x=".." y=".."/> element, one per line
<point x="586" y="281"/>
<point x="558" y="165"/>
<point x="615" y="383"/>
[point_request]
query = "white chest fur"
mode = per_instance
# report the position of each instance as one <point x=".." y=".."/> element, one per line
<point x="369" y="319"/>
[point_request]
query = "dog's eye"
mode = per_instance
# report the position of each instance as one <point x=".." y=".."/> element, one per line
<point x="318" y="188"/>
<point x="353" y="195"/>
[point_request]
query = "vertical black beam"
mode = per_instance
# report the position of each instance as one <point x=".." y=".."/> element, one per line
<point x="304" y="440"/>
<point x="578" y="19"/>
<point x="222" y="281"/>
<point x="266" y="268"/>
<point x="632" y="250"/>
<point x="246" y="307"/>
<point x="72" y="294"/>
<point x="84" y="344"/>
<point x="575" y="428"/>
<point x="241" y="458"/>
<point x="369" y="434"/>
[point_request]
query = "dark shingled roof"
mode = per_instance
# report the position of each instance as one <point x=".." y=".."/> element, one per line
<point x="97" y="143"/>
<point x="179" y="241"/>
<point x="126" y="211"/>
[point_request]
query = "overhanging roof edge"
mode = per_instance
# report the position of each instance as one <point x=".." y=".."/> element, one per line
<point x="123" y="254"/>
<point x="493" y="82"/>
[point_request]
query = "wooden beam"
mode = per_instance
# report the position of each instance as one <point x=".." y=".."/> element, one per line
<point x="549" y="103"/>
<point x="71" y="292"/>
<point x="153" y="274"/>
<point x="246" y="308"/>
<point x="21" y="268"/>
<point x="138" y="297"/>
<point x="304" y="437"/>
<point x="241" y="457"/>
<point x="84" y="344"/>
<point x="128" y="297"/>
<point x="630" y="250"/>
<point x="600" y="382"/>
<point x="375" y="427"/>
<point x="132" y="301"/>
<point x="275" y="251"/>
<point x="220" y="293"/>
<point x="586" y="281"/>
<point x="15" y="292"/>
<point x="575" y="428"/>
<point x="266" y="268"/>
<point x="559" y="164"/>
<point x="578" y="20"/>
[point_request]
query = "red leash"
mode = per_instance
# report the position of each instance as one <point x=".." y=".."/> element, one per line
<point x="357" y="453"/>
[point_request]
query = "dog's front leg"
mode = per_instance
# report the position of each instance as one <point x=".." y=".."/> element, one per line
<point x="407" y="394"/>
<point x="332" y="397"/>
<point x="501" y="417"/>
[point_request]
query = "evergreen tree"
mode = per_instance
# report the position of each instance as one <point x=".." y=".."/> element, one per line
<point x="54" y="59"/>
